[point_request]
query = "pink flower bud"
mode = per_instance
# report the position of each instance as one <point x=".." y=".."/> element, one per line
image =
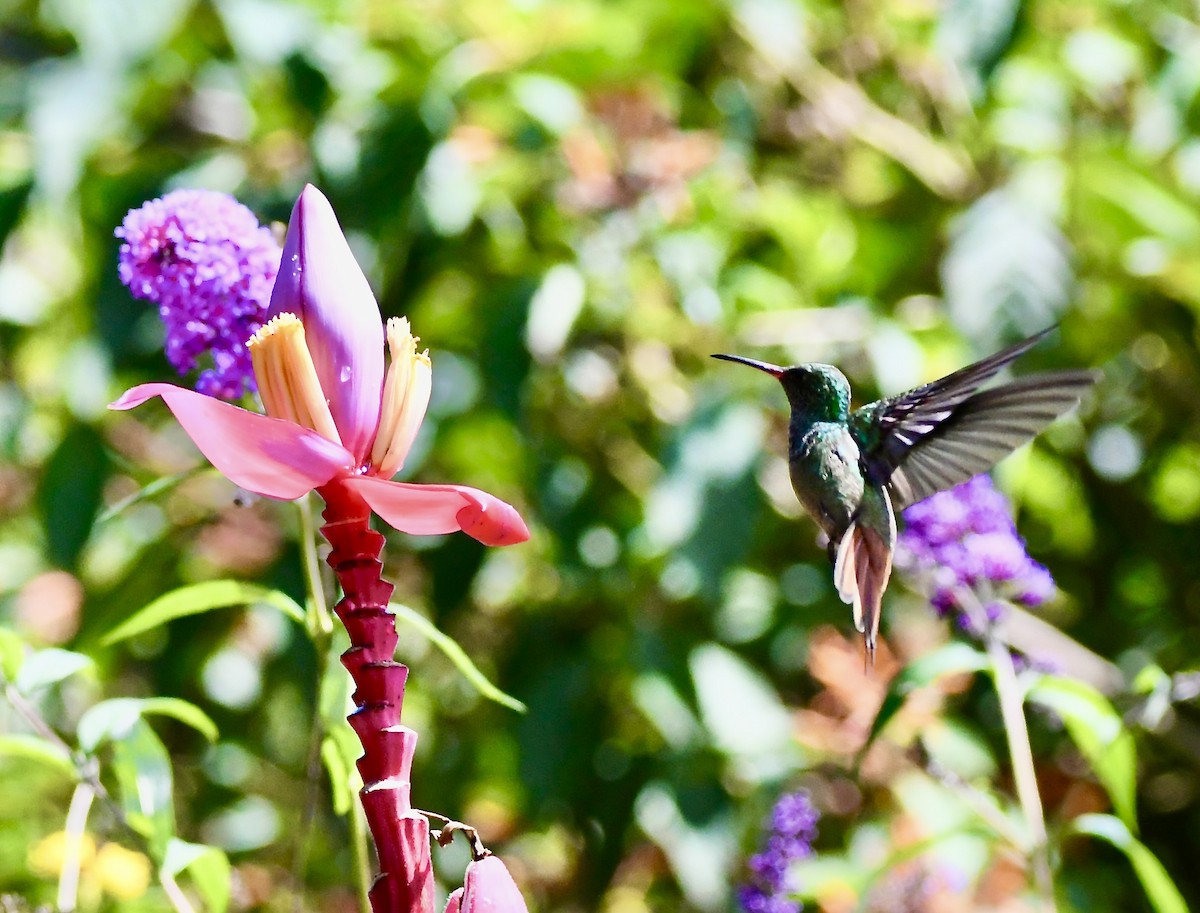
<point x="488" y="889"/>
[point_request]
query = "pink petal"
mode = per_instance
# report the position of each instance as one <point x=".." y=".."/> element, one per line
<point x="490" y="889"/>
<point x="427" y="510"/>
<point x="454" y="902"/>
<point x="321" y="283"/>
<point x="264" y="455"/>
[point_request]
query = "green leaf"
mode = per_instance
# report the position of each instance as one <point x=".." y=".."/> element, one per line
<point x="143" y="771"/>
<point x="1155" y="685"/>
<point x="952" y="658"/>
<point x="70" y="493"/>
<point x="340" y="770"/>
<point x="456" y="655"/>
<point x="1159" y="888"/>
<point x="12" y="654"/>
<point x="741" y="711"/>
<point x="974" y="34"/>
<point x="198" y="598"/>
<point x="115" y="718"/>
<point x="1098" y="732"/>
<point x="157" y="487"/>
<point x="35" y="748"/>
<point x="49" y="667"/>
<point x="208" y="866"/>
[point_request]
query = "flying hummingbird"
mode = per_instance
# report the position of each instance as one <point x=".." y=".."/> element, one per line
<point x="852" y="470"/>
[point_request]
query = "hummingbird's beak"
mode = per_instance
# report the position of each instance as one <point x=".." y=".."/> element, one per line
<point x="773" y="370"/>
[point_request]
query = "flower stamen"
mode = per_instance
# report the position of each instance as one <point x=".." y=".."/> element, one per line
<point x="405" y="398"/>
<point x="287" y="379"/>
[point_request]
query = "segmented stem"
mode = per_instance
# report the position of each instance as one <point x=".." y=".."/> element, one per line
<point x="405" y="882"/>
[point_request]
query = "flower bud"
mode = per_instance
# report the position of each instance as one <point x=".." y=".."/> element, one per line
<point x="488" y="889"/>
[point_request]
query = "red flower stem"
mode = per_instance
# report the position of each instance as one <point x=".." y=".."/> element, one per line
<point x="405" y="881"/>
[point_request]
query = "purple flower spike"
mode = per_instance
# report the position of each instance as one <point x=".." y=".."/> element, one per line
<point x="964" y="538"/>
<point x="793" y="827"/>
<point x="202" y="257"/>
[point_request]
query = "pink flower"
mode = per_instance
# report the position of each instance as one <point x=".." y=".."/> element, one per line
<point x="334" y="414"/>
<point x="488" y="888"/>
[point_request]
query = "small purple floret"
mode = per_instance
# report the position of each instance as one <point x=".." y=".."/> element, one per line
<point x="202" y="257"/>
<point x="964" y="538"/>
<point x="793" y="827"/>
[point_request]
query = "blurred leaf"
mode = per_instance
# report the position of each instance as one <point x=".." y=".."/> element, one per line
<point x="202" y="597"/>
<point x="456" y="655"/>
<point x="116" y="718"/>
<point x="12" y="653"/>
<point x="35" y="748"/>
<point x="1098" y="732"/>
<point x="953" y="658"/>
<point x="208" y="866"/>
<point x="143" y="771"/>
<point x="155" y="488"/>
<point x="333" y="755"/>
<point x="741" y="711"/>
<point x="777" y="29"/>
<point x="974" y="34"/>
<point x="1156" y="207"/>
<point x="699" y="855"/>
<point x="12" y="205"/>
<point x="1007" y="265"/>
<point x="70" y="493"/>
<point x="1155" y="686"/>
<point x="1159" y="888"/>
<point x="49" y="667"/>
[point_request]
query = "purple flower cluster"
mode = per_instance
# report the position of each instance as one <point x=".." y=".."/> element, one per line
<point x="202" y="257"/>
<point x="964" y="538"/>
<point x="793" y="827"/>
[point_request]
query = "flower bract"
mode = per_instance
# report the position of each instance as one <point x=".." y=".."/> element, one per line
<point x="336" y="412"/>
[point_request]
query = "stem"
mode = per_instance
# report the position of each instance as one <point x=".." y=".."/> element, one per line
<point x="85" y="765"/>
<point x="319" y="624"/>
<point x="319" y="621"/>
<point x="405" y="883"/>
<point x="175" y="893"/>
<point x="76" y="825"/>
<point x="982" y="804"/>
<point x="1012" y="712"/>
<point x="361" y="857"/>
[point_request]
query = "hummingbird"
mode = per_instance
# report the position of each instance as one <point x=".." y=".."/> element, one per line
<point x="853" y="470"/>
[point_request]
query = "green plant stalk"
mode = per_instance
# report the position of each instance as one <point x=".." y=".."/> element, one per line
<point x="319" y="620"/>
<point x="1016" y="730"/>
<point x="361" y="855"/>
<point x="319" y="624"/>
<point x="75" y="828"/>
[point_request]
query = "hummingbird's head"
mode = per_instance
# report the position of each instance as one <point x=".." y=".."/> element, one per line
<point x="816" y="392"/>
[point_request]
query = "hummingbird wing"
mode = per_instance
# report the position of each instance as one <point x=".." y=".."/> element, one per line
<point x="948" y="431"/>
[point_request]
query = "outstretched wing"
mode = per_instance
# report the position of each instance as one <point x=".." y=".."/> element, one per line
<point x="948" y="431"/>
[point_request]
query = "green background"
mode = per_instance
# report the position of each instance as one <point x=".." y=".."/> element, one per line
<point x="575" y="203"/>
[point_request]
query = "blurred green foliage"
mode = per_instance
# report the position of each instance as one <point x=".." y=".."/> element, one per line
<point x="576" y="202"/>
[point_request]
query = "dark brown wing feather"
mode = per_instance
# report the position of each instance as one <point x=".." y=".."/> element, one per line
<point x="979" y="432"/>
<point x="944" y="433"/>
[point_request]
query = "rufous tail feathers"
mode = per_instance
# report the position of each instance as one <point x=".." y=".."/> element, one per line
<point x="861" y="572"/>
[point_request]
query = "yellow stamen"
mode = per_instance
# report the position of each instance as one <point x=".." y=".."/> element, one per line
<point x="287" y="379"/>
<point x="405" y="399"/>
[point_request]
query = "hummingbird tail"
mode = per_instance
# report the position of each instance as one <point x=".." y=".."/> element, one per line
<point x="861" y="572"/>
